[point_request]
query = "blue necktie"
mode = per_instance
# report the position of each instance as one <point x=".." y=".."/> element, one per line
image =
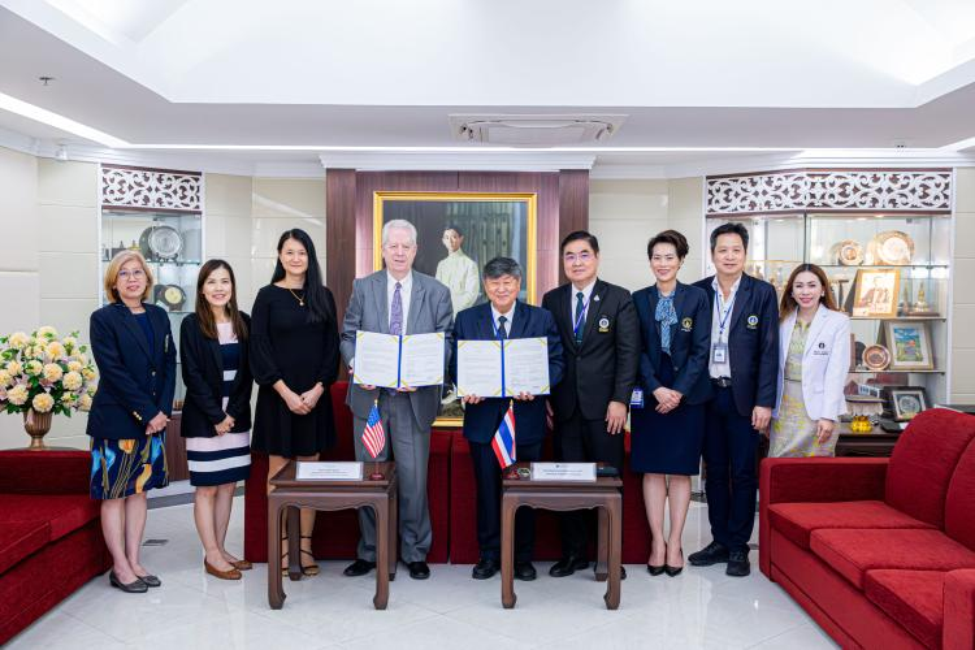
<point x="579" y="324"/>
<point x="396" y="313"/>
<point x="502" y="334"/>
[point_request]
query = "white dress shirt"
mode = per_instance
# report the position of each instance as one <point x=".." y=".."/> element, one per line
<point x="406" y="288"/>
<point x="723" y="307"/>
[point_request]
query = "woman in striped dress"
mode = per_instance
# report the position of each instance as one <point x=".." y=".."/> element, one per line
<point x="216" y="418"/>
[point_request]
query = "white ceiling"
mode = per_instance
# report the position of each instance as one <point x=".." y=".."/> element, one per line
<point x="707" y="74"/>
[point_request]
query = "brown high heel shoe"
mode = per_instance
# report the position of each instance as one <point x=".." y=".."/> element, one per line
<point x="233" y="574"/>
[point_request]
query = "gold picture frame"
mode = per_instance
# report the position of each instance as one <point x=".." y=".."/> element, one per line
<point x="877" y="292"/>
<point x="482" y="239"/>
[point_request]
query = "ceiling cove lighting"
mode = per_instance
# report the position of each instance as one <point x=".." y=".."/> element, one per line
<point x="38" y="114"/>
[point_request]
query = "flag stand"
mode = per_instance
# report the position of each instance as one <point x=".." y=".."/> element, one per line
<point x="376" y="474"/>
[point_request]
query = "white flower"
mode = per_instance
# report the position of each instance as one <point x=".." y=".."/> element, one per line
<point x="5" y="379"/>
<point x="34" y="368"/>
<point x="17" y="395"/>
<point x="70" y="342"/>
<point x="82" y="359"/>
<point x="15" y="368"/>
<point x="42" y="403"/>
<point x="74" y="366"/>
<point x="88" y="374"/>
<point x="55" y="350"/>
<point x="17" y="340"/>
<point x="53" y="372"/>
<point x="73" y="381"/>
<point x="69" y="399"/>
<point x="85" y="403"/>
<point x="47" y="332"/>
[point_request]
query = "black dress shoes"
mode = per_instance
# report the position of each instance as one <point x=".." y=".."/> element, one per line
<point x="135" y="587"/>
<point x="359" y="568"/>
<point x="713" y="553"/>
<point x="567" y="566"/>
<point x="738" y="564"/>
<point x="525" y="571"/>
<point x="151" y="580"/>
<point x="419" y="570"/>
<point x="485" y="569"/>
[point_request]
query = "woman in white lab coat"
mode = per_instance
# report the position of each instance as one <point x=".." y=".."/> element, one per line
<point x="814" y="358"/>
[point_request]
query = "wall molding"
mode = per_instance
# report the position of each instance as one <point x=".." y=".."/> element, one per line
<point x="484" y="160"/>
<point x="826" y="190"/>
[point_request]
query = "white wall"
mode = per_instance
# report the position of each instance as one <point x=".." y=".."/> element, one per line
<point x="963" y="287"/>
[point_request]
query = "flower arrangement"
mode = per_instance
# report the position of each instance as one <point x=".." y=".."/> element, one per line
<point x="40" y="372"/>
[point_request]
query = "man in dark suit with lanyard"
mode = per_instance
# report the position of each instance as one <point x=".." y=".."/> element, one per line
<point x="744" y="371"/>
<point x="601" y="337"/>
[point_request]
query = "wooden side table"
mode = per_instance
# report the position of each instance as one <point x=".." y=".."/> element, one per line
<point x="603" y="494"/>
<point x="290" y="494"/>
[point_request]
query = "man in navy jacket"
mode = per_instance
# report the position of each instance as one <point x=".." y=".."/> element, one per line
<point x="504" y="317"/>
<point x="743" y="365"/>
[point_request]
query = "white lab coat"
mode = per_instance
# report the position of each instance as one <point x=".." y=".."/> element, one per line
<point x="825" y="363"/>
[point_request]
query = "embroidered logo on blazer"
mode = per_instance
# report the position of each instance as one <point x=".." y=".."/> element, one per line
<point x="687" y="323"/>
<point x="603" y="324"/>
<point x="752" y="321"/>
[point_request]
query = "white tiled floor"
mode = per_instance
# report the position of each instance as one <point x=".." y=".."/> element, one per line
<point x="702" y="608"/>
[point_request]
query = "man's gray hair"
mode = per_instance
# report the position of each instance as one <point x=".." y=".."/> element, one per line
<point x="501" y="266"/>
<point x="399" y="224"/>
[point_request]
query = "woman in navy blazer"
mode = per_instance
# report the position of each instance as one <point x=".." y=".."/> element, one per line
<point x="216" y="420"/>
<point x="133" y="347"/>
<point x="668" y="419"/>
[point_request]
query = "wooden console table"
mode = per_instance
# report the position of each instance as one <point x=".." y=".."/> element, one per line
<point x="290" y="494"/>
<point x="604" y="494"/>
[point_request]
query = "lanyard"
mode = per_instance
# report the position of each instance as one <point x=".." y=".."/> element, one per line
<point x="723" y="318"/>
<point x="494" y="326"/>
<point x="581" y="317"/>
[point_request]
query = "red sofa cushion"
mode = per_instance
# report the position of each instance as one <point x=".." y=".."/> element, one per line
<point x="798" y="520"/>
<point x="853" y="552"/>
<point x="64" y="512"/>
<point x="915" y="599"/>
<point x="960" y="502"/>
<point x="52" y="472"/>
<point x="20" y="539"/>
<point x="923" y="461"/>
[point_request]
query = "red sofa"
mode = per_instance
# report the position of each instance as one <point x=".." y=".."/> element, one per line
<point x="880" y="552"/>
<point x="337" y="533"/>
<point x="50" y="534"/>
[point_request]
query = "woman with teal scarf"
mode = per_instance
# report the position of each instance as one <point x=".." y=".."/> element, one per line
<point x="668" y="409"/>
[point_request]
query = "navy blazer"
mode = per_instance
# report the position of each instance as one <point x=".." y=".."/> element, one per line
<point x="753" y="342"/>
<point x="481" y="420"/>
<point x="690" y="343"/>
<point x="202" y="365"/>
<point x="134" y="384"/>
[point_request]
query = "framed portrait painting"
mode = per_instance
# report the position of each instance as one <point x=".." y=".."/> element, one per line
<point x="876" y="293"/>
<point x="909" y="343"/>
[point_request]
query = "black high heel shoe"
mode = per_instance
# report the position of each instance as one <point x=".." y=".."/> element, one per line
<point x="657" y="570"/>
<point x="674" y="571"/>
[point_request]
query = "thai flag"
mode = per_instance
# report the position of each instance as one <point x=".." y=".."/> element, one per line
<point x="503" y="442"/>
<point x="374" y="436"/>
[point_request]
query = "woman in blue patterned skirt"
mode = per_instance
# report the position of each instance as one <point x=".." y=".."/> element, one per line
<point x="136" y="357"/>
<point x="216" y="418"/>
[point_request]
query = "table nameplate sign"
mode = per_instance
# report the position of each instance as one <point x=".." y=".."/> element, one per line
<point x="328" y="471"/>
<point x="571" y="472"/>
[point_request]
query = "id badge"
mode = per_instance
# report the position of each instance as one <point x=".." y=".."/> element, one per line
<point x="719" y="353"/>
<point x="636" y="399"/>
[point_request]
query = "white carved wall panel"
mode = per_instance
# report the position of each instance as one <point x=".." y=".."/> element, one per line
<point x="867" y="190"/>
<point x="123" y="187"/>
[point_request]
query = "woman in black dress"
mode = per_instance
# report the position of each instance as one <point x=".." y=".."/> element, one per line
<point x="668" y="431"/>
<point x="295" y="359"/>
<point x="216" y="418"/>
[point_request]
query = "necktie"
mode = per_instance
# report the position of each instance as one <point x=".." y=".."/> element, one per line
<point x="396" y="312"/>
<point x="579" y="324"/>
<point x="502" y="334"/>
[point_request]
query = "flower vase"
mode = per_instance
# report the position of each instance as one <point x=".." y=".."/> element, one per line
<point x="37" y="425"/>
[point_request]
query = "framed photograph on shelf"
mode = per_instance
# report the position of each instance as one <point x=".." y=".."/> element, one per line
<point x="909" y="343"/>
<point x="906" y="402"/>
<point x="876" y="293"/>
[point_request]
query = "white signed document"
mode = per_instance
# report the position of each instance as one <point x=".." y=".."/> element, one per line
<point x="526" y="366"/>
<point x="479" y="367"/>
<point x="380" y="359"/>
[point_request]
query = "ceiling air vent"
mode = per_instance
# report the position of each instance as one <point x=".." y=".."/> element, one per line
<point x="535" y="130"/>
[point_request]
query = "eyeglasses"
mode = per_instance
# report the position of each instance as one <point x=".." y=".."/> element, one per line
<point x="571" y="258"/>
<point x="137" y="274"/>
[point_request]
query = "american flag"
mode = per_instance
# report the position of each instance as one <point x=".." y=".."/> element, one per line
<point x="504" y="438"/>
<point x="373" y="436"/>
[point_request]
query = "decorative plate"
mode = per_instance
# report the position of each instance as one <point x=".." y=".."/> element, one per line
<point x="849" y="253"/>
<point x="893" y="247"/>
<point x="163" y="242"/>
<point x="171" y="296"/>
<point x="876" y="357"/>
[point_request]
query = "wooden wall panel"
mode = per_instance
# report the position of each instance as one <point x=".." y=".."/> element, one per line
<point x="573" y="206"/>
<point x="340" y="235"/>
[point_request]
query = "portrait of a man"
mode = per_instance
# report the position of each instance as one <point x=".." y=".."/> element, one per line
<point x="458" y="271"/>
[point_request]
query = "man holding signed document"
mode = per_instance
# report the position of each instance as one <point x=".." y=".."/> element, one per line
<point x="507" y="356"/>
<point x="394" y="339"/>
